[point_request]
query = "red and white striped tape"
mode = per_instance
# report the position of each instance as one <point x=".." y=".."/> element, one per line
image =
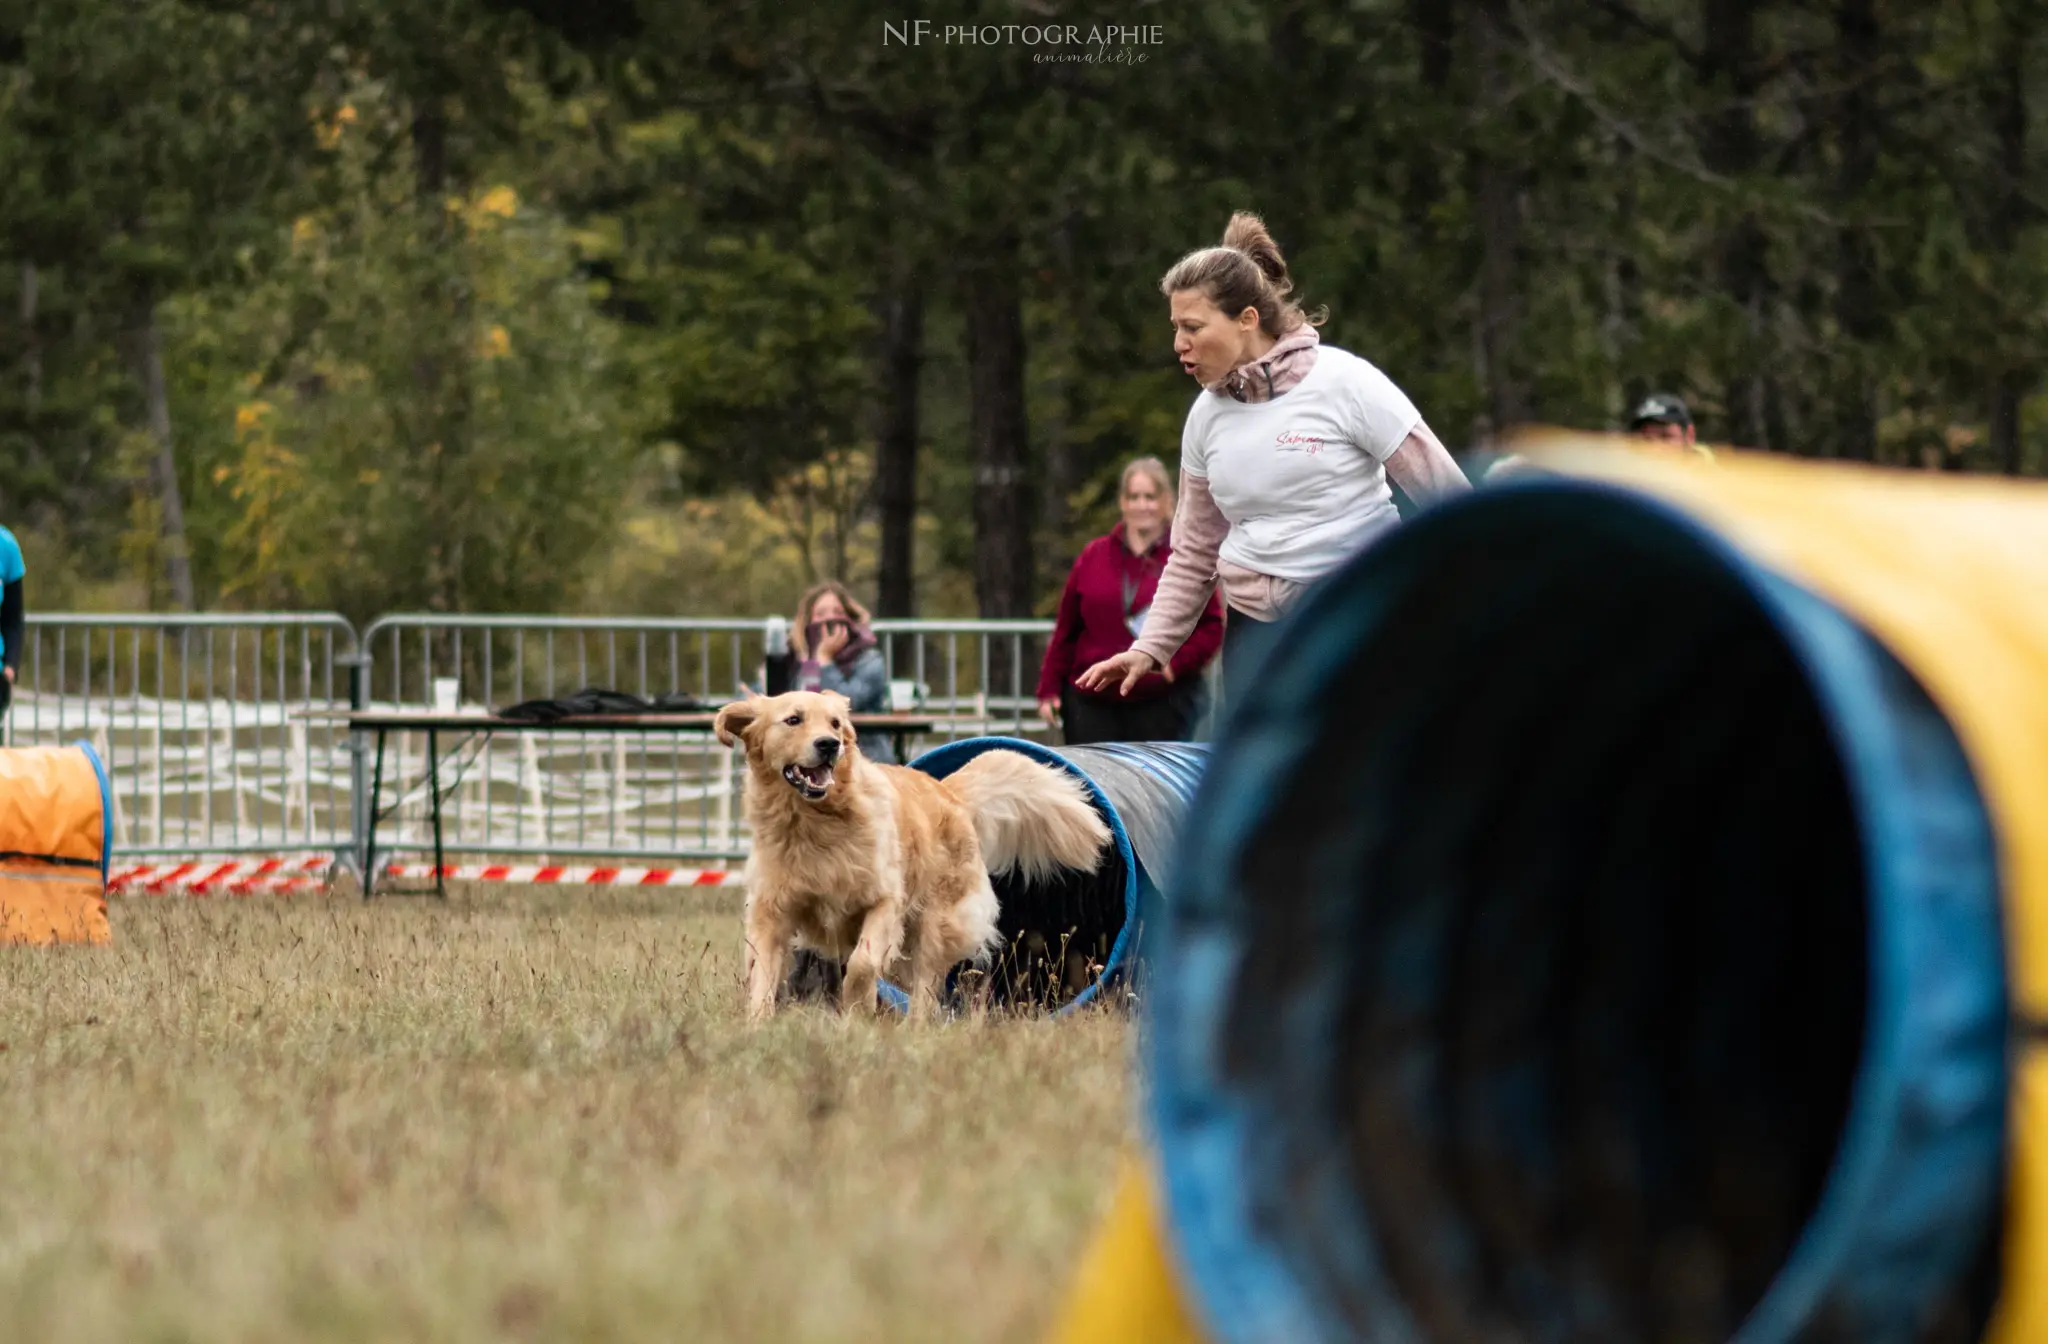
<point x="586" y="876"/>
<point x="309" y="873"/>
<point x="198" y="876"/>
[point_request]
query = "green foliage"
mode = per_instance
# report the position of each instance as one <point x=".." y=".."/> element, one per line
<point x="1822" y="223"/>
<point x="144" y="146"/>
<point x="432" y="413"/>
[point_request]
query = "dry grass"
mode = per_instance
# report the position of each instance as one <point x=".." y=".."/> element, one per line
<point x="519" y="1116"/>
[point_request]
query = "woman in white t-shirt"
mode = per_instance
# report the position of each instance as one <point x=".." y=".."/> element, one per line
<point x="1286" y="454"/>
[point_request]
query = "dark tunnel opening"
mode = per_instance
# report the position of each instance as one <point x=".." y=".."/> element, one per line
<point x="1598" y="867"/>
<point x="1057" y="933"/>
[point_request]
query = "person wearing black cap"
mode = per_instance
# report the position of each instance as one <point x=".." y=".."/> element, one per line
<point x="1663" y="419"/>
<point x="1659" y="420"/>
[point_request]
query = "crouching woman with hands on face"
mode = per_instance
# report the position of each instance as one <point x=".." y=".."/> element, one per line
<point x="1285" y="456"/>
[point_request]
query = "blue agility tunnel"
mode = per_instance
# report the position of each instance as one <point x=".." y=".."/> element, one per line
<point x="1584" y="932"/>
<point x="1071" y="939"/>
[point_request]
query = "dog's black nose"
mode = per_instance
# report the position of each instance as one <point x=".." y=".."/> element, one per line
<point x="827" y="748"/>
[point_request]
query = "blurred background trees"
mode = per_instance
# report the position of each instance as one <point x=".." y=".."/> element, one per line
<point x="670" y="307"/>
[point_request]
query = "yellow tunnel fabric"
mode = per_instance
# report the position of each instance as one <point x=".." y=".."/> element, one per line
<point x="52" y="838"/>
<point x="1949" y="573"/>
<point x="50" y="804"/>
<point x="43" y="903"/>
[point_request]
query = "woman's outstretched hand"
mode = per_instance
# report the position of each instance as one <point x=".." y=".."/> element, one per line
<point x="1128" y="667"/>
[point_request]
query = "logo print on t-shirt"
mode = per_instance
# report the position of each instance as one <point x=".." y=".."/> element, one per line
<point x="1293" y="441"/>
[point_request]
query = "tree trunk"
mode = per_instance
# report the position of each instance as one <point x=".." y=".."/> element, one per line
<point x="430" y="150"/>
<point x="1621" y="328"/>
<point x="146" y="341"/>
<point x="1295" y="198"/>
<point x="2008" y="389"/>
<point x="992" y="304"/>
<point x="441" y="365"/>
<point x="1059" y="470"/>
<point x="2006" y="105"/>
<point x="902" y="353"/>
<point x="32" y="345"/>
<point x="1496" y="204"/>
<point x="1057" y="473"/>
<point x="1436" y="29"/>
<point x="1730" y="146"/>
<point x="1434" y="23"/>
<point x="1858" y="309"/>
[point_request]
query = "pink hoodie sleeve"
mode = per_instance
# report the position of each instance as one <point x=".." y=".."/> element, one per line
<point x="1424" y="468"/>
<point x="1199" y="528"/>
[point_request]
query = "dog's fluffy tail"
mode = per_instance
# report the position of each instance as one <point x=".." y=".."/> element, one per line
<point x="1030" y="817"/>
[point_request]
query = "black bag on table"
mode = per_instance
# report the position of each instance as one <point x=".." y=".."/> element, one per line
<point x="596" y="702"/>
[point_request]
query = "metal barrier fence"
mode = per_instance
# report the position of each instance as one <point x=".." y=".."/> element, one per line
<point x="206" y="725"/>
<point x="637" y="795"/>
<point x="222" y="732"/>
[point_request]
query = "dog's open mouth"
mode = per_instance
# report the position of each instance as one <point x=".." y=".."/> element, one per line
<point x="812" y="781"/>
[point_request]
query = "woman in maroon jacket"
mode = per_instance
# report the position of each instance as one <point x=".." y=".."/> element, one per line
<point x="1102" y="611"/>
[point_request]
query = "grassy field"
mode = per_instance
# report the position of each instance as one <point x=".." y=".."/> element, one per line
<point x="519" y="1116"/>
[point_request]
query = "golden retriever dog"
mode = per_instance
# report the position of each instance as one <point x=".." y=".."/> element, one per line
<point x="880" y="864"/>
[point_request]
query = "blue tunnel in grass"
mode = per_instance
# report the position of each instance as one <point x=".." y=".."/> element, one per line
<point x="1584" y="934"/>
<point x="1072" y="939"/>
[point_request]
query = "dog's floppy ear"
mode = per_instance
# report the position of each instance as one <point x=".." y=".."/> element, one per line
<point x="735" y="719"/>
<point x="843" y="707"/>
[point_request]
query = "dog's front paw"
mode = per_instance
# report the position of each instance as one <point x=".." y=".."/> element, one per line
<point x="760" y="999"/>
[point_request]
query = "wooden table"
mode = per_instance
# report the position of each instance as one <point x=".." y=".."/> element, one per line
<point x="433" y="724"/>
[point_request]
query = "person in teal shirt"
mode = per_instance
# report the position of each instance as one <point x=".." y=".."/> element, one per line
<point x="13" y="615"/>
